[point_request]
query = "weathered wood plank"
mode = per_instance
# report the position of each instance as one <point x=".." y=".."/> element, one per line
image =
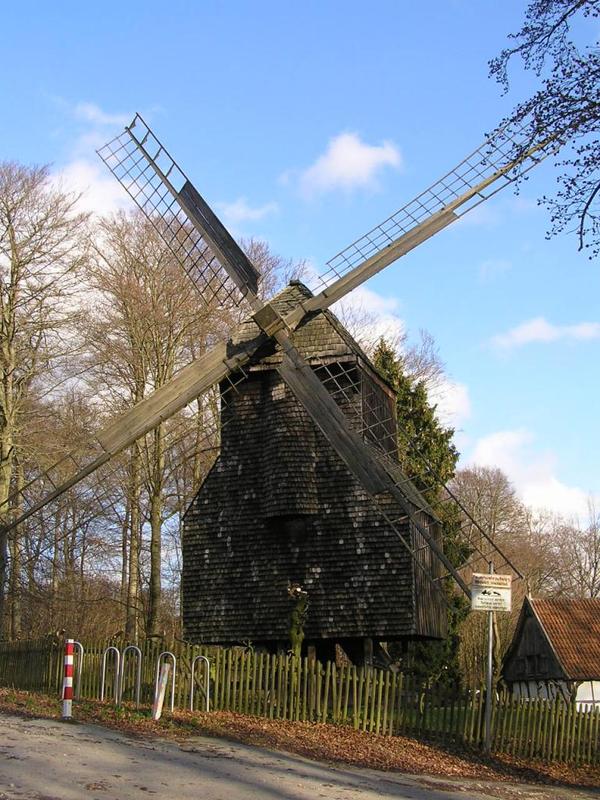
<point x="233" y="259"/>
<point x="189" y="383"/>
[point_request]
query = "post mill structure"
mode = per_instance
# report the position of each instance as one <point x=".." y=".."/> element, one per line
<point x="307" y="490"/>
<point x="279" y="509"/>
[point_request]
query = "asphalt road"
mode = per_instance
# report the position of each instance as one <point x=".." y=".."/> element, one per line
<point x="45" y="760"/>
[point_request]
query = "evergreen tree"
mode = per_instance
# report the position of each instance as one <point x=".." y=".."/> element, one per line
<point x="428" y="456"/>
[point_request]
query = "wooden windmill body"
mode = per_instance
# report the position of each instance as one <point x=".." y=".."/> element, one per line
<point x="280" y="508"/>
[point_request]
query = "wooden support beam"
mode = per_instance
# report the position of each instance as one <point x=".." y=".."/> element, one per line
<point x="189" y="383"/>
<point x="349" y="445"/>
<point x="233" y="259"/>
<point x="342" y="286"/>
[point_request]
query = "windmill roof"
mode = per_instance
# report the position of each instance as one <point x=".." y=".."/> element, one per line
<point x="320" y="337"/>
<point x="573" y="629"/>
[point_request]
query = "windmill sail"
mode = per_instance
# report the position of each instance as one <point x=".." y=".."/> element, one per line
<point x="211" y="257"/>
<point x="431" y="496"/>
<point x="379" y="474"/>
<point x="501" y="161"/>
<point x="224" y="362"/>
<point x="99" y="495"/>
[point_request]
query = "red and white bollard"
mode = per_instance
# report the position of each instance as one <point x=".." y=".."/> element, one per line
<point x="67" y="694"/>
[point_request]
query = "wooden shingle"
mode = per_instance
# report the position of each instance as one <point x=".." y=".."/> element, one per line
<point x="279" y="507"/>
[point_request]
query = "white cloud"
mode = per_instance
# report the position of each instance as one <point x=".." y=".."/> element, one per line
<point x="369" y="316"/>
<point x="452" y="400"/>
<point x="521" y="204"/>
<point x="83" y="171"/>
<point x="90" y="112"/>
<point x="491" y="214"/>
<point x="532" y="472"/>
<point x="482" y="216"/>
<point x="100" y="191"/>
<point x="540" y="330"/>
<point x="241" y="211"/>
<point x="348" y="163"/>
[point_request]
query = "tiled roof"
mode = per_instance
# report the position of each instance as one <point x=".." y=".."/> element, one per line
<point x="573" y="629"/>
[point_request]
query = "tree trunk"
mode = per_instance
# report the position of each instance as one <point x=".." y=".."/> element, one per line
<point x="6" y="466"/>
<point x="133" y="589"/>
<point x="124" y="555"/>
<point x="15" y="561"/>
<point x="156" y="488"/>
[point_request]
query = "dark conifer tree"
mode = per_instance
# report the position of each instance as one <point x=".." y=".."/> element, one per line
<point x="428" y="456"/>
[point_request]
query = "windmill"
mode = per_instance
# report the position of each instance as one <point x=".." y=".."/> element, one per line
<point x="223" y="273"/>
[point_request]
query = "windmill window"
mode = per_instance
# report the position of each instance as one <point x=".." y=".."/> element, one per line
<point x="531" y="664"/>
<point x="542" y="665"/>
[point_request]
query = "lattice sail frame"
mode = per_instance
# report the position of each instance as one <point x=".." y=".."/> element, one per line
<point x="162" y="191"/>
<point x="91" y="467"/>
<point x="428" y="501"/>
<point x="503" y="159"/>
<point x="98" y="484"/>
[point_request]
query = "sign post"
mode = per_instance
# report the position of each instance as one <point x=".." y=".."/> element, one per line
<point x="490" y="593"/>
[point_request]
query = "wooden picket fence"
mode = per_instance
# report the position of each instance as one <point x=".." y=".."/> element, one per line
<point x="282" y="687"/>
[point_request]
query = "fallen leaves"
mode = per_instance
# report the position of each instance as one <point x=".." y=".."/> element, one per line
<point x="323" y="742"/>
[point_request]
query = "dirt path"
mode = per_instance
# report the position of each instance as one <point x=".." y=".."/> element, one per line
<point x="48" y="760"/>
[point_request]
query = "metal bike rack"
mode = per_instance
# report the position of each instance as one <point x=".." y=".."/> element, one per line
<point x="138" y="678"/>
<point x="81" y="653"/>
<point x="108" y="650"/>
<point x="166" y="654"/>
<point x="206" y="680"/>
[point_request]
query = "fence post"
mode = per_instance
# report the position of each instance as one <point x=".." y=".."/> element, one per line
<point x="488" y="676"/>
<point x="67" y="692"/>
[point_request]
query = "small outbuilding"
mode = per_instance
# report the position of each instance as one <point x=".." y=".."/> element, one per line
<point x="555" y="651"/>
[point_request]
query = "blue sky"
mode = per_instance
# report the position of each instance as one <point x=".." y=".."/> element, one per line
<point x="306" y="124"/>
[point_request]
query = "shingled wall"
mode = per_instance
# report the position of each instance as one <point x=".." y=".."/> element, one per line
<point x="280" y="507"/>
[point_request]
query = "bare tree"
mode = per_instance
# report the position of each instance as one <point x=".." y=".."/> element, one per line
<point x="41" y="252"/>
<point x="419" y="359"/>
<point x="577" y="549"/>
<point x="566" y="106"/>
<point x="275" y="270"/>
<point x="143" y="318"/>
<point x="526" y="538"/>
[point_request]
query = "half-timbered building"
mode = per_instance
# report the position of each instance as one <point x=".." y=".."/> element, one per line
<point x="555" y="651"/>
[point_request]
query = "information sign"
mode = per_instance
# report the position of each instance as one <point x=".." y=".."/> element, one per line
<point x="491" y="592"/>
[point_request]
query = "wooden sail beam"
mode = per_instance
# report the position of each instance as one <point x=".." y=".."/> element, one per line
<point x="348" y="444"/>
<point x="191" y="382"/>
<point x="408" y="241"/>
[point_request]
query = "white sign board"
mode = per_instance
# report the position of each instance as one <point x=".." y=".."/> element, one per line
<point x="490" y="592"/>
